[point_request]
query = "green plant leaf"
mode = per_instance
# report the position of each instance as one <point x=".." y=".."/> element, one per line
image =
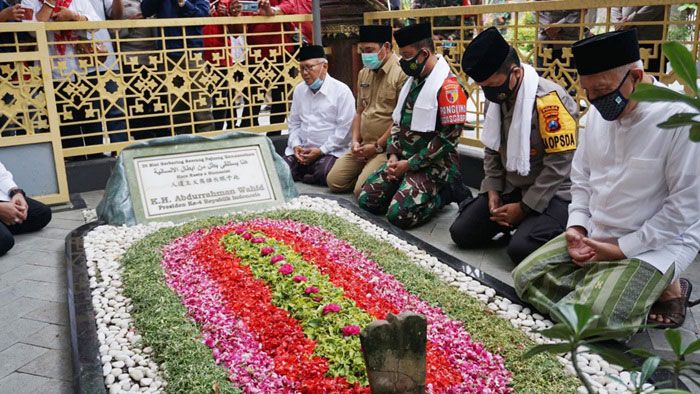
<point x="558" y="331"/>
<point x="682" y="63"/>
<point x="603" y="334"/>
<point x="554" y="348"/>
<point x="679" y="120"/>
<point x="653" y="93"/>
<point x="642" y="353"/>
<point x="649" y="367"/>
<point x="692" y="348"/>
<point x="612" y="355"/>
<point x="673" y="337"/>
<point x="695" y="133"/>
<point x="670" y="391"/>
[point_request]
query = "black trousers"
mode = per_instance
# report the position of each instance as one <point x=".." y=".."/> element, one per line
<point x="473" y="227"/>
<point x="38" y="216"/>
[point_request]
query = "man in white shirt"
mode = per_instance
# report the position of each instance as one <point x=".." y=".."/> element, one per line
<point x="18" y="213"/>
<point x="319" y="120"/>
<point x="634" y="218"/>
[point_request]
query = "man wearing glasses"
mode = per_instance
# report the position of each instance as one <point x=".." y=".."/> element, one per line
<point x="319" y="120"/>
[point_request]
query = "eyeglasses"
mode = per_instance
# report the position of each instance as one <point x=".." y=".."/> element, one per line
<point x="309" y="68"/>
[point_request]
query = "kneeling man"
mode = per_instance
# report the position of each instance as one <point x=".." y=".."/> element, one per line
<point x="530" y="138"/>
<point x="428" y="120"/>
<point x="634" y="219"/>
<point x="319" y="120"/>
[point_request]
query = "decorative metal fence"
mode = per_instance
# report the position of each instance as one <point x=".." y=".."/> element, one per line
<point x="94" y="87"/>
<point x="524" y="25"/>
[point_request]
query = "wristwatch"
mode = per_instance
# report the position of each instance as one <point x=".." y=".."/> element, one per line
<point x="378" y="148"/>
<point x="16" y="191"/>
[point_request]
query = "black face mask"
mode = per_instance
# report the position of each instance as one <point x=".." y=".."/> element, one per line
<point x="499" y="94"/>
<point x="612" y="104"/>
<point x="411" y="67"/>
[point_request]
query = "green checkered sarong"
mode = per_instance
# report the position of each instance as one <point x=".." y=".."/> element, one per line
<point x="622" y="292"/>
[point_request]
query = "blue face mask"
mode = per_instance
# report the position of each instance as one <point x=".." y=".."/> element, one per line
<point x="316" y="85"/>
<point x="371" y="60"/>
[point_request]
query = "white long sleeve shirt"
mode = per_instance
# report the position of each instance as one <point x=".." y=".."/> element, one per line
<point x="321" y="120"/>
<point x="639" y="185"/>
<point x="7" y="183"/>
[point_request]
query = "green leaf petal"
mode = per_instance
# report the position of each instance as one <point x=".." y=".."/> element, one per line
<point x="653" y="93"/>
<point x="679" y="120"/>
<point x="649" y="367"/>
<point x="642" y="353"/>
<point x="673" y="337"/>
<point x="692" y="348"/>
<point x="558" y="331"/>
<point x="612" y="355"/>
<point x="695" y="133"/>
<point x="682" y="63"/>
<point x="554" y="348"/>
<point x="608" y="333"/>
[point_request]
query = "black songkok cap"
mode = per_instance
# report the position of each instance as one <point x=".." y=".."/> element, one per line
<point x="311" y="52"/>
<point x="375" y="33"/>
<point x="413" y="33"/>
<point x="485" y="55"/>
<point x="606" y="51"/>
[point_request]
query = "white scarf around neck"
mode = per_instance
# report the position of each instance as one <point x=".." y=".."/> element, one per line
<point x="518" y="144"/>
<point x="425" y="109"/>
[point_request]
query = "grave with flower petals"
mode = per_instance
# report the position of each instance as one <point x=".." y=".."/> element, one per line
<point x="275" y="301"/>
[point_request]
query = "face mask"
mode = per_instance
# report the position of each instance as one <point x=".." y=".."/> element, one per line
<point x="499" y="94"/>
<point x="612" y="104"/>
<point x="371" y="60"/>
<point x="316" y="85"/>
<point x="411" y="67"/>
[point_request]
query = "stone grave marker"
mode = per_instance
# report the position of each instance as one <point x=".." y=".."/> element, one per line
<point x="394" y="353"/>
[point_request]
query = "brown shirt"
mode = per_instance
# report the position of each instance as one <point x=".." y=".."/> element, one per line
<point x="549" y="172"/>
<point x="378" y="92"/>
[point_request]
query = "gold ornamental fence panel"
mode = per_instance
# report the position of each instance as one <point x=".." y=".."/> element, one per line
<point x="523" y="23"/>
<point x="92" y="88"/>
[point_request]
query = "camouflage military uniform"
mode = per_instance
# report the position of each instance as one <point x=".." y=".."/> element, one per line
<point x="432" y="160"/>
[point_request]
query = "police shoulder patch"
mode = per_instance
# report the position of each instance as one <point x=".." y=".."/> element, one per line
<point x="557" y="126"/>
<point x="452" y="102"/>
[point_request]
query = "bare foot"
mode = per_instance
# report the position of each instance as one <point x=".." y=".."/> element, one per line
<point x="671" y="292"/>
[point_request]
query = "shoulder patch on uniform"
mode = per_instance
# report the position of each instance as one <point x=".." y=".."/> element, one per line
<point x="452" y="102"/>
<point x="558" y="128"/>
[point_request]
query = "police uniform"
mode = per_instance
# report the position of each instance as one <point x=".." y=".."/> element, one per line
<point x="378" y="91"/>
<point x="544" y="192"/>
<point x="431" y="155"/>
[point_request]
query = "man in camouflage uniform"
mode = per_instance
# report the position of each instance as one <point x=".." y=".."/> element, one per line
<point x="428" y="122"/>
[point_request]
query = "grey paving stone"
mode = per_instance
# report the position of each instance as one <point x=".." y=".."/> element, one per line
<point x="53" y="363"/>
<point x="51" y="336"/>
<point x="49" y="312"/>
<point x="65" y="224"/>
<point x="16" y="308"/>
<point x="46" y="259"/>
<point x="18" y="330"/>
<point x="8" y="294"/>
<point x="34" y="272"/>
<point x="21" y="383"/>
<point x="11" y="261"/>
<point x="54" y="386"/>
<point x="42" y="290"/>
<point x="37" y="242"/>
<point x="18" y="355"/>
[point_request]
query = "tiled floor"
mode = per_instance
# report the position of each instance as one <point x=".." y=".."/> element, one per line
<point x="34" y="337"/>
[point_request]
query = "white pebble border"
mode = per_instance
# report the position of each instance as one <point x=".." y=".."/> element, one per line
<point x="128" y="368"/>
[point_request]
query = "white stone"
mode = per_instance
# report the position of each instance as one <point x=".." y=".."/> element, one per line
<point x="515" y="307"/>
<point x="116" y="371"/>
<point x="145" y="382"/>
<point x="136" y="374"/>
<point x="106" y="369"/>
